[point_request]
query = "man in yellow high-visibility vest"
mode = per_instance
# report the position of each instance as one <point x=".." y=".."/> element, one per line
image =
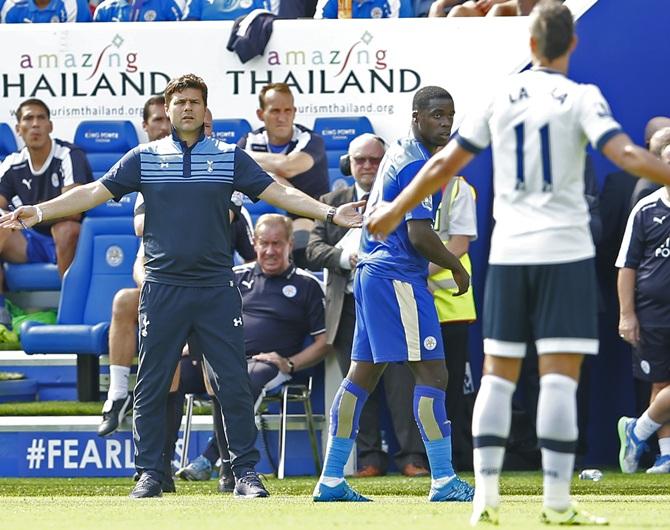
<point x="456" y="224"/>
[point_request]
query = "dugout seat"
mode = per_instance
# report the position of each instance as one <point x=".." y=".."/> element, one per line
<point x="337" y="133"/>
<point x="32" y="277"/>
<point x="7" y="141"/>
<point x="102" y="265"/>
<point x="105" y="142"/>
<point x="230" y="131"/>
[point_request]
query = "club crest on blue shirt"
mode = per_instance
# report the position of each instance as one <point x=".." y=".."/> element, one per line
<point x="289" y="291"/>
<point x="150" y="15"/>
<point x="430" y="343"/>
<point x="55" y="181"/>
<point x="427" y="203"/>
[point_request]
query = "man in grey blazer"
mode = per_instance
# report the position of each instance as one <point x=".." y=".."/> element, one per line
<point x="336" y="249"/>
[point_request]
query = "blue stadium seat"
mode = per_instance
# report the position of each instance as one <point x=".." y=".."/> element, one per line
<point x="7" y="141"/>
<point x="32" y="277"/>
<point x="102" y="265"/>
<point x="105" y="142"/>
<point x="337" y="134"/>
<point x="230" y="131"/>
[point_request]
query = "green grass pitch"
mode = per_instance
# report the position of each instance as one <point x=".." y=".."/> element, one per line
<point x="631" y="502"/>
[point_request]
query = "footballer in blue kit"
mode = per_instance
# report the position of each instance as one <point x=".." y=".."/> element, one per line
<point x="396" y="320"/>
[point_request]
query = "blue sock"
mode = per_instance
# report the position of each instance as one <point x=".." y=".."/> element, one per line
<point x="431" y="417"/>
<point x="344" y="416"/>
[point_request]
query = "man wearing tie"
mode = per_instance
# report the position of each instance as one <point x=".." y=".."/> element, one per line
<point x="337" y="250"/>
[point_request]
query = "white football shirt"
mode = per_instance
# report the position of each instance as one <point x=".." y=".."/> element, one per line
<point x="538" y="125"/>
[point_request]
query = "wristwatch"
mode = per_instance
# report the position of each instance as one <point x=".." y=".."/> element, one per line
<point x="331" y="214"/>
<point x="291" y="366"/>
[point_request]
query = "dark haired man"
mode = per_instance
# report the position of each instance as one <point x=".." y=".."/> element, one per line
<point x="538" y="125"/>
<point x="291" y="153"/>
<point x="42" y="170"/>
<point x="188" y="293"/>
<point x="396" y="320"/>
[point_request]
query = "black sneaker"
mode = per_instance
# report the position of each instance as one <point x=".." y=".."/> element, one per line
<point x="113" y="413"/>
<point x="249" y="486"/>
<point x="146" y="487"/>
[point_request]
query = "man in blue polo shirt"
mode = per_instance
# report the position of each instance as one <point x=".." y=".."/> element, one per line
<point x="41" y="11"/>
<point x="291" y="153"/>
<point x="189" y="293"/>
<point x="282" y="306"/>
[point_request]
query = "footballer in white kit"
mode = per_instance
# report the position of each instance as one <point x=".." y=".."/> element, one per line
<point x="541" y="284"/>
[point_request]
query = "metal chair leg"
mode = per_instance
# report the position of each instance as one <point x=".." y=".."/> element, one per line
<point x="281" y="468"/>
<point x="187" y="430"/>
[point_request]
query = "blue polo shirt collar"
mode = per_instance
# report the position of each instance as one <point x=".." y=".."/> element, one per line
<point x="286" y="274"/>
<point x="182" y="144"/>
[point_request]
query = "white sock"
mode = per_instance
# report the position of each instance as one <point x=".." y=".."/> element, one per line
<point x="439" y="482"/>
<point x="492" y="416"/>
<point x="645" y="427"/>
<point x="664" y="446"/>
<point x="331" y="482"/>
<point x="118" y="382"/>
<point x="557" y="434"/>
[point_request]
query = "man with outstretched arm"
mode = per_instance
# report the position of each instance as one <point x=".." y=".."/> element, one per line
<point x="189" y="294"/>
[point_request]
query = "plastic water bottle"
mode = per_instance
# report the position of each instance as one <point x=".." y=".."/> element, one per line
<point x="591" y="474"/>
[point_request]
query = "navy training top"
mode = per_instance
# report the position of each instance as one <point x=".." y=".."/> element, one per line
<point x="187" y="192"/>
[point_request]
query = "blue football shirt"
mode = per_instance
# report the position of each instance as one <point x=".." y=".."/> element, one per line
<point x="396" y="257"/>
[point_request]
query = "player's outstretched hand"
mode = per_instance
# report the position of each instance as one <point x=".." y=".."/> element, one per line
<point x="462" y="279"/>
<point x="382" y="220"/>
<point x="348" y="215"/>
<point x="23" y="217"/>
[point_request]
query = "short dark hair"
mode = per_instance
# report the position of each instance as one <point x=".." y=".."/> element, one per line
<point x="552" y="27"/>
<point x="277" y="87"/>
<point x="154" y="100"/>
<point x="179" y="84"/>
<point x="423" y="96"/>
<point x="32" y="101"/>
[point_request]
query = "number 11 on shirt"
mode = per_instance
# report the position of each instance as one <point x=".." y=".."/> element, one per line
<point x="520" y="132"/>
